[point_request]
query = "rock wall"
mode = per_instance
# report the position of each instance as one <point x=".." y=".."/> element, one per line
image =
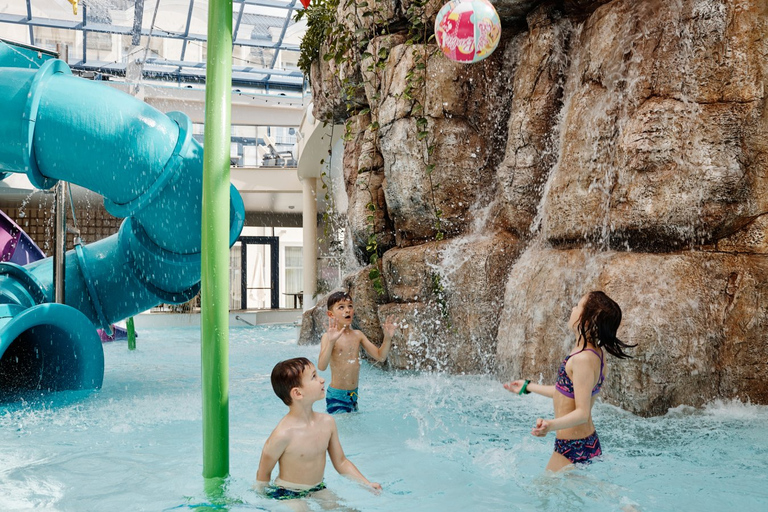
<point x="614" y="145"/>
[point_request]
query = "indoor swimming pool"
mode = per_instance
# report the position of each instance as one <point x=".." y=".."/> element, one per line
<point x="435" y="442"/>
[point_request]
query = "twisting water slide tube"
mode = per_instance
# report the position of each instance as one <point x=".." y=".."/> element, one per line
<point x="55" y="126"/>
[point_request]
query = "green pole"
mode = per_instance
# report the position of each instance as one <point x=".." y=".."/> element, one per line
<point x="215" y="241"/>
<point x="131" y="333"/>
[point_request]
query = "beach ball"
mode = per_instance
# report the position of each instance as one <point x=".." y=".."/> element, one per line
<point x="467" y="30"/>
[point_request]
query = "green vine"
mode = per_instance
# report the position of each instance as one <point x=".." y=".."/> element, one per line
<point x="378" y="62"/>
<point x="342" y="45"/>
<point x="372" y="248"/>
<point x="438" y="291"/>
<point x="333" y="228"/>
<point x="324" y="31"/>
<point x="416" y="82"/>
<point x="321" y="19"/>
<point x="372" y="243"/>
<point x="416" y="79"/>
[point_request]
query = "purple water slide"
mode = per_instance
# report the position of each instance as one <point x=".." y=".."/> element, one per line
<point x="118" y="333"/>
<point x="15" y="244"/>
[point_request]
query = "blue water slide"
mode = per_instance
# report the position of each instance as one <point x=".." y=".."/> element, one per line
<point x="56" y="126"/>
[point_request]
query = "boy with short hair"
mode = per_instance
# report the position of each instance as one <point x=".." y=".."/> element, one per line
<point x="340" y="346"/>
<point x="301" y="439"/>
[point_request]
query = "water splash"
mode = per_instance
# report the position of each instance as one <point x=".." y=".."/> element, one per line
<point x="443" y="442"/>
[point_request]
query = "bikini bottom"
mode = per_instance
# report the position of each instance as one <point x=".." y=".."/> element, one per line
<point x="579" y="451"/>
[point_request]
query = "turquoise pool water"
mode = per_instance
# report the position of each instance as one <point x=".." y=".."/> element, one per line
<point x="435" y="442"/>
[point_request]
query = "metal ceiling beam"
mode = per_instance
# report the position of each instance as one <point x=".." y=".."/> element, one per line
<point x="186" y="30"/>
<point x="154" y="71"/>
<point x="282" y="33"/>
<point x="264" y="3"/>
<point x="237" y="25"/>
<point x="240" y="69"/>
<point x="104" y="28"/>
<point x="85" y="34"/>
<point x="138" y="18"/>
<point x="185" y="71"/>
<point x="29" y="16"/>
<point x="253" y="44"/>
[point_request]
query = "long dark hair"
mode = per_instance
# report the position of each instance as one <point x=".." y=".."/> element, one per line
<point x="599" y="322"/>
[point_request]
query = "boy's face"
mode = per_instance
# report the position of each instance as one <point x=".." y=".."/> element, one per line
<point x="342" y="312"/>
<point x="312" y="385"/>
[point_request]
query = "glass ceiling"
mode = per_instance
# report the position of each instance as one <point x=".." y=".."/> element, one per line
<point x="161" y="39"/>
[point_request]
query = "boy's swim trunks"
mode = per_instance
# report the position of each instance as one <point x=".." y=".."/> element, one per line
<point x="340" y="400"/>
<point x="579" y="450"/>
<point x="281" y="493"/>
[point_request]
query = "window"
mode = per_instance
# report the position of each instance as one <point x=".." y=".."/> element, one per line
<point x="294" y="273"/>
<point x="235" y="276"/>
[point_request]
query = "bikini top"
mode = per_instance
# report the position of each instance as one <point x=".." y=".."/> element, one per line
<point x="564" y="383"/>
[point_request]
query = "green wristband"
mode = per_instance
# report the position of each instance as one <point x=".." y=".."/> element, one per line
<point x="524" y="389"/>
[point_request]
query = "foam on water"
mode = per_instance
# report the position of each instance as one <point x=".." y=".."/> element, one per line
<point x="434" y="441"/>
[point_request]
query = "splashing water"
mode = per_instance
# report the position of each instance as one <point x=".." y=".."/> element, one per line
<point x="435" y="442"/>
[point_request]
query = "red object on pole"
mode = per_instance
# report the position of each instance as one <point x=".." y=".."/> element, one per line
<point x="305" y="3"/>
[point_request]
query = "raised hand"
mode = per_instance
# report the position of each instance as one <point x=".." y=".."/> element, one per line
<point x="334" y="331"/>
<point x="389" y="327"/>
<point x="515" y="386"/>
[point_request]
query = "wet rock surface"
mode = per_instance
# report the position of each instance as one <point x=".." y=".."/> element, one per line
<point x="614" y="145"/>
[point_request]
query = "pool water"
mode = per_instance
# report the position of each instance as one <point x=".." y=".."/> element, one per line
<point x="435" y="442"/>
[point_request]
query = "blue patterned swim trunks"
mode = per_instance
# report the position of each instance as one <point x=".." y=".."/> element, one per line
<point x="340" y="400"/>
<point x="281" y="493"/>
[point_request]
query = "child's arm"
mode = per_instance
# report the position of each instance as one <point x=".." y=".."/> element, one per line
<point x="326" y="349"/>
<point x="380" y="353"/>
<point x="341" y="463"/>
<point x="516" y="385"/>
<point x="270" y="454"/>
<point x="327" y="342"/>
<point x="584" y="379"/>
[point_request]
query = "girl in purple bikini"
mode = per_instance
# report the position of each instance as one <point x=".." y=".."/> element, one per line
<point x="594" y="320"/>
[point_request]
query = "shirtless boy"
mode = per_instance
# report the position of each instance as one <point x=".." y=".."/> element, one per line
<point x="340" y="346"/>
<point x="302" y="438"/>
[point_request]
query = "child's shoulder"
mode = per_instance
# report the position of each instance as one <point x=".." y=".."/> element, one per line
<point x="282" y="431"/>
<point x="324" y="419"/>
<point x="585" y="358"/>
<point x="323" y="416"/>
<point x="288" y="426"/>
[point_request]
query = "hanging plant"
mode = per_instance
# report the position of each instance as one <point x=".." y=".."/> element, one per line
<point x="418" y="34"/>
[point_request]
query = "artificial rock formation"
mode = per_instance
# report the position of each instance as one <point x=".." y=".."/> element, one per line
<point x="698" y="319"/>
<point x="366" y="301"/>
<point x="615" y="145"/>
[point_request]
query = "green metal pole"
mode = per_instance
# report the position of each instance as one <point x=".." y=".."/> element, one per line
<point x="131" y="333"/>
<point x="215" y="241"/>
